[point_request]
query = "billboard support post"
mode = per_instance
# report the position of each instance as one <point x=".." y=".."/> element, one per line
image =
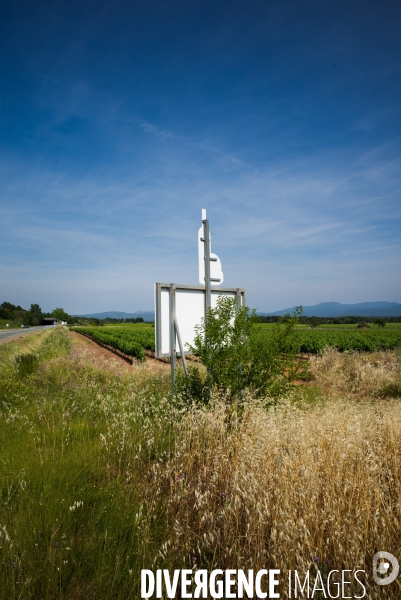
<point x="173" y="349"/>
<point x="206" y="238"/>
<point x="175" y="334"/>
<point x="177" y="331"/>
<point x="208" y="296"/>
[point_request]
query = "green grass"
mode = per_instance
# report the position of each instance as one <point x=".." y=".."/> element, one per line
<point x="77" y="445"/>
<point x="11" y="324"/>
<point x="102" y="474"/>
<point x="44" y="343"/>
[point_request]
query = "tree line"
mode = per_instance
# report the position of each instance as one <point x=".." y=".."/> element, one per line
<point x="316" y="321"/>
<point x="108" y="320"/>
<point x="34" y="316"/>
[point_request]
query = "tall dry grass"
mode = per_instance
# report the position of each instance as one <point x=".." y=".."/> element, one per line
<point x="375" y="375"/>
<point x="293" y="488"/>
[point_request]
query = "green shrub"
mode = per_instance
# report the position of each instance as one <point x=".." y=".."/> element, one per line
<point x="238" y="355"/>
<point x="193" y="387"/>
<point x="26" y="364"/>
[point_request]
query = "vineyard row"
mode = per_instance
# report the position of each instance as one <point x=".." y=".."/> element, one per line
<point x="133" y="342"/>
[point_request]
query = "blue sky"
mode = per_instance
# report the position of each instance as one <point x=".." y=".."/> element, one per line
<point x="120" y="120"/>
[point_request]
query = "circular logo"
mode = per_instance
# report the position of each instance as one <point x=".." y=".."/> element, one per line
<point x="381" y="568"/>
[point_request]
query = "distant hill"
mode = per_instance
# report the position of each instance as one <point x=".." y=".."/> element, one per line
<point x="147" y="315"/>
<point x="336" y="309"/>
<point x="324" y="309"/>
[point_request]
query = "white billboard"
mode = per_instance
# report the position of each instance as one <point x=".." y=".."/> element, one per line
<point x="187" y="302"/>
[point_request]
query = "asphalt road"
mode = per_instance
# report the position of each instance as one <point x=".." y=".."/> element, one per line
<point x="9" y="336"/>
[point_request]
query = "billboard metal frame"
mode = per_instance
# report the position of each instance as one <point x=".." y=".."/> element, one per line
<point x="239" y="293"/>
<point x="206" y="290"/>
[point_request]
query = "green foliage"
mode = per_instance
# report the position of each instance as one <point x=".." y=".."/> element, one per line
<point x="26" y="364"/>
<point x="13" y="313"/>
<point x="35" y="315"/>
<point x="61" y="315"/>
<point x="314" y="322"/>
<point x="133" y="320"/>
<point x="379" y="322"/>
<point x="78" y="447"/>
<point x="193" y="387"/>
<point x="8" y="306"/>
<point x="238" y="355"/>
<point x="362" y="340"/>
<point x="346" y="320"/>
<point x="130" y="340"/>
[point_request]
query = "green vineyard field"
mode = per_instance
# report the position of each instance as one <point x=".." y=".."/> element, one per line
<point x="130" y="340"/>
<point x="314" y="341"/>
<point x="133" y="340"/>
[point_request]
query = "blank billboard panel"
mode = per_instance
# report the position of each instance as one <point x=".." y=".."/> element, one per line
<point x="189" y="309"/>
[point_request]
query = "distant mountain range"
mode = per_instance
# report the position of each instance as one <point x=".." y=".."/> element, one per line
<point x="147" y="315"/>
<point x="324" y="309"/>
<point x="336" y="309"/>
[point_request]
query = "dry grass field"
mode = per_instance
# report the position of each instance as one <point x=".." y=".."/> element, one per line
<point x="314" y="482"/>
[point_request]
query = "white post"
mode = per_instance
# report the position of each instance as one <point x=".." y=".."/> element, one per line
<point x="173" y="354"/>
<point x="206" y="238"/>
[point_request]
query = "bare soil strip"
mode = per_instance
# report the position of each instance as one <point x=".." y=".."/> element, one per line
<point x="80" y="343"/>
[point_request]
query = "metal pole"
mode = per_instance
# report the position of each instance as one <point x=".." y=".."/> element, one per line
<point x="238" y="299"/>
<point x="206" y="237"/>
<point x="184" y="362"/>
<point x="173" y="355"/>
<point x="208" y="293"/>
<point x="237" y="307"/>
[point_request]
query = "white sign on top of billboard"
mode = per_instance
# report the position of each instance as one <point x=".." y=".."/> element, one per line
<point x="216" y="274"/>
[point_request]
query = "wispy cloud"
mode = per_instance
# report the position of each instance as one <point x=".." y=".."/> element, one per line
<point x="166" y="134"/>
<point x="372" y="199"/>
<point x="281" y="232"/>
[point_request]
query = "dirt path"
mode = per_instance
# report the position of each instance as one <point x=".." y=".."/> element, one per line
<point x="82" y="344"/>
